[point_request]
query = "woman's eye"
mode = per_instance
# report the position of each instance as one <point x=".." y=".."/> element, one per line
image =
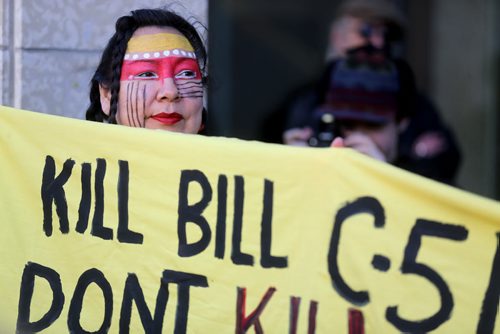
<point x="147" y="75"/>
<point x="186" y="74"/>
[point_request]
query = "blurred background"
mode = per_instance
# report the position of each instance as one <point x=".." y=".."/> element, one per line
<point x="259" y="52"/>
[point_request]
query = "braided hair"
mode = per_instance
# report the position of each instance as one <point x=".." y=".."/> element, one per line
<point x="109" y="69"/>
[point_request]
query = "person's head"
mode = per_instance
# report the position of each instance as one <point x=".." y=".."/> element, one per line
<point x="362" y="22"/>
<point x="152" y="74"/>
<point x="369" y="94"/>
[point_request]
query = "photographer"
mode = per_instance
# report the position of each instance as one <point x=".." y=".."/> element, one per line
<point x="426" y="146"/>
<point x="367" y="98"/>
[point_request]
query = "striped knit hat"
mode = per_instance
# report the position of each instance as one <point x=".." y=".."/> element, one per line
<point x="365" y="86"/>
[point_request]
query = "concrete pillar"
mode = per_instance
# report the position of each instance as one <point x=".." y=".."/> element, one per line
<point x="464" y="81"/>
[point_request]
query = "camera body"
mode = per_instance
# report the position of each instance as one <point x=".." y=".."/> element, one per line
<point x="324" y="129"/>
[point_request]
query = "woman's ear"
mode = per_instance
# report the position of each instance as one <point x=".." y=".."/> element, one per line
<point x="204" y="116"/>
<point x="105" y="95"/>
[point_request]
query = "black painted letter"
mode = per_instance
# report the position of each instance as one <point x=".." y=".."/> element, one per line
<point x="27" y="286"/>
<point x="183" y="281"/>
<point x="133" y="292"/>
<point x="75" y="309"/>
<point x="124" y="234"/>
<point x="53" y="191"/>
<point x="267" y="260"/>
<point x="220" y="228"/>
<point x="193" y="213"/>
<point x="489" y="309"/>
<point x="237" y="256"/>
<point x="98" y="228"/>
<point x="368" y="205"/>
<point x="84" y="209"/>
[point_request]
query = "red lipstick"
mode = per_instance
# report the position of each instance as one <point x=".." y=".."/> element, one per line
<point x="167" y="118"/>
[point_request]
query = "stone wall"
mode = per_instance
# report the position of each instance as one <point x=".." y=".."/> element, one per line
<point x="50" y="48"/>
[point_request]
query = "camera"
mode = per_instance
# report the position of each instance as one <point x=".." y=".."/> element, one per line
<point x="324" y="130"/>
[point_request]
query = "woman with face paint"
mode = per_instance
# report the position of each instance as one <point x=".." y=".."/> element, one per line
<point x="151" y="75"/>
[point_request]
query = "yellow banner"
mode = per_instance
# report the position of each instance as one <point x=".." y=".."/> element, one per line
<point x="110" y="228"/>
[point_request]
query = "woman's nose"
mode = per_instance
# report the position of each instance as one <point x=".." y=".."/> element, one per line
<point x="168" y="90"/>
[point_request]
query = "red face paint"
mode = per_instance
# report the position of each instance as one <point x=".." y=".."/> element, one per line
<point x="178" y="68"/>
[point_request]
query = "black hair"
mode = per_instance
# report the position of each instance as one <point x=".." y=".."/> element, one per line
<point x="108" y="71"/>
